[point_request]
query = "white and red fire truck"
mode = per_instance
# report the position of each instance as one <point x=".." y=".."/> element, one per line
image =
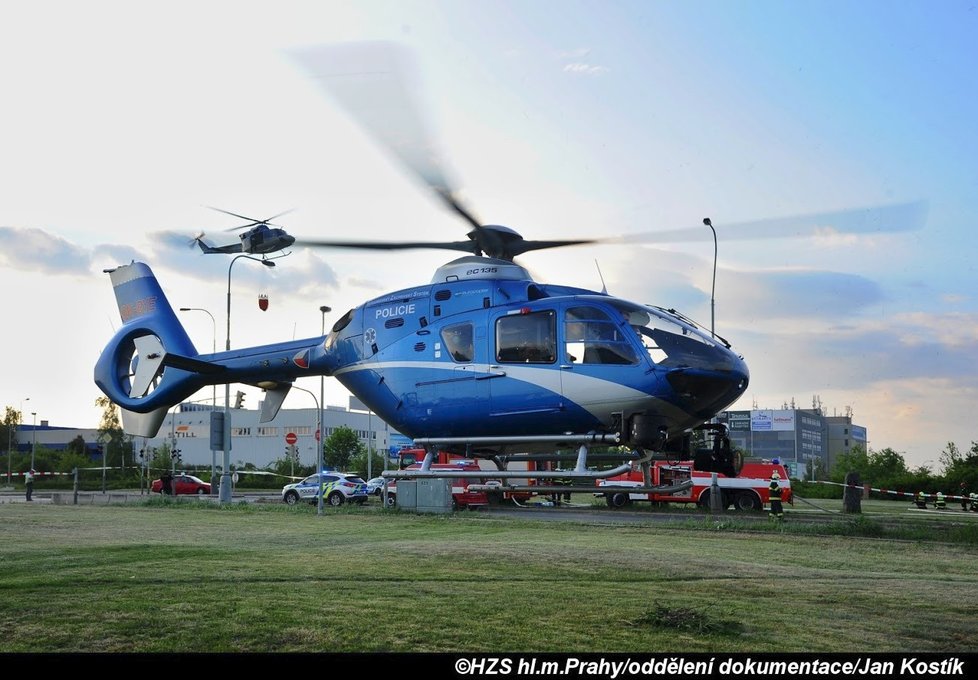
<point x="462" y="496"/>
<point x="747" y="491"/>
<point x="410" y="459"/>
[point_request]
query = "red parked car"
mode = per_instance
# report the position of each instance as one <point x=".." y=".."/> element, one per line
<point x="183" y="485"/>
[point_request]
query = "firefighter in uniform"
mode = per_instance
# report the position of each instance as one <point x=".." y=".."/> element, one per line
<point x="774" y="492"/>
<point x="963" y="493"/>
<point x="974" y="501"/>
<point x="921" y="500"/>
<point x="939" y="503"/>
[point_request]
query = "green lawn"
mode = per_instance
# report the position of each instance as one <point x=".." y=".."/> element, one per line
<point x="199" y="578"/>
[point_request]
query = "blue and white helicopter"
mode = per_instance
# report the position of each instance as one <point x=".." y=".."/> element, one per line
<point x="481" y="360"/>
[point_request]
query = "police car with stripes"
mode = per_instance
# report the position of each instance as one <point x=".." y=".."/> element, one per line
<point x="338" y="488"/>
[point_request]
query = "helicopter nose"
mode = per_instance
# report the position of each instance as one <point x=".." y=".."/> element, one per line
<point x="705" y="391"/>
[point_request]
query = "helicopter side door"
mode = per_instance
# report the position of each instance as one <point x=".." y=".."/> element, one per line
<point x="603" y="370"/>
<point x="523" y="356"/>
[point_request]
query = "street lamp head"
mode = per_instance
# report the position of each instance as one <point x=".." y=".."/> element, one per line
<point x="267" y="263"/>
<point x="324" y="309"/>
<point x="707" y="222"/>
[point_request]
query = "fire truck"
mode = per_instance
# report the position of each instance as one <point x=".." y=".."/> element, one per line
<point x="746" y="491"/>
<point x="410" y="459"/>
<point x="462" y="496"/>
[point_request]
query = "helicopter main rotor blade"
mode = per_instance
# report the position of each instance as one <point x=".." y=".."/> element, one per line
<point x="894" y="217"/>
<point x="520" y="247"/>
<point x="252" y="222"/>
<point x="465" y="246"/>
<point x="374" y="83"/>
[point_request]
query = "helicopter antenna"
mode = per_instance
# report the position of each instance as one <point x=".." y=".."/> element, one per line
<point x="604" y="288"/>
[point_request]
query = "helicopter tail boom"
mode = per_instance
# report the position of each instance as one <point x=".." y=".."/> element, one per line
<point x="209" y="249"/>
<point x="151" y="364"/>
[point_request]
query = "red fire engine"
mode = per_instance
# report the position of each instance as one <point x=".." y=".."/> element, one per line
<point x="462" y="497"/>
<point x="746" y="491"/>
<point x="410" y="459"/>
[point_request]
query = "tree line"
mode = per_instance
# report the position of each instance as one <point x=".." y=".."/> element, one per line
<point x="887" y="469"/>
<point x="343" y="450"/>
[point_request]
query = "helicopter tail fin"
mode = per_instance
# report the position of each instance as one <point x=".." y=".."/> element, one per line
<point x="150" y="364"/>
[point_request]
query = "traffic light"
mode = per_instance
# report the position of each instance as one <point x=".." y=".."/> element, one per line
<point x="239" y="399"/>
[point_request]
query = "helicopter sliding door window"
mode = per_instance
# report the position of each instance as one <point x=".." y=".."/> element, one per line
<point x="591" y="337"/>
<point x="527" y="338"/>
<point x="458" y="342"/>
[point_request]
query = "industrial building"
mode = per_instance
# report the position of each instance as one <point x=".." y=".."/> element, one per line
<point x="187" y="429"/>
<point x="804" y="439"/>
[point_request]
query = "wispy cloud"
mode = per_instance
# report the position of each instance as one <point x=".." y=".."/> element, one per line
<point x="367" y="284"/>
<point x="747" y="298"/>
<point x="578" y="53"/>
<point x="111" y="255"/>
<point x="585" y="69"/>
<point x="36" y="250"/>
<point x="798" y="294"/>
<point x="577" y="62"/>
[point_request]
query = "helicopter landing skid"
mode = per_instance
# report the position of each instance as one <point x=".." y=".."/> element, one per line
<point x="580" y="471"/>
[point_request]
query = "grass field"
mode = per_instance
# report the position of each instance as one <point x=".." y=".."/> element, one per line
<point x="192" y="577"/>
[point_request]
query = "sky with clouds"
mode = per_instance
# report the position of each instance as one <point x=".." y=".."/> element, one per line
<point x="121" y="121"/>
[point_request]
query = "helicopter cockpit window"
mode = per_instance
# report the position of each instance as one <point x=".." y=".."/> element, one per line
<point x="527" y="338"/>
<point x="669" y="341"/>
<point x="458" y="341"/>
<point x="591" y="337"/>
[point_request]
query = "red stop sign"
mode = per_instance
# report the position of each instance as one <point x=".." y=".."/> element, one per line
<point x="290" y="438"/>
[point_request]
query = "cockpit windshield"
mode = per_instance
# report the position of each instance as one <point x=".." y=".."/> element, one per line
<point x="669" y="340"/>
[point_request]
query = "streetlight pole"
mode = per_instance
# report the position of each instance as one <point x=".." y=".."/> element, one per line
<point x="319" y="448"/>
<point x="716" y="503"/>
<point x="10" y="435"/>
<point x="225" y="493"/>
<point x="213" y="387"/>
<point x="34" y="435"/>
<point x="324" y="310"/>
<point x="213" y="341"/>
<point x="707" y="222"/>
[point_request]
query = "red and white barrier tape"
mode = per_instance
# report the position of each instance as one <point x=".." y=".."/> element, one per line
<point x="43" y="474"/>
<point x="66" y="474"/>
<point x="912" y="495"/>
